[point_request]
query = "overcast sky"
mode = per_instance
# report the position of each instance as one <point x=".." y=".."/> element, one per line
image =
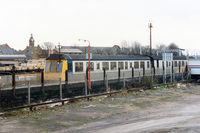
<point x="102" y="22"/>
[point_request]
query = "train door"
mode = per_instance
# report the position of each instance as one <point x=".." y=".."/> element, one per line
<point x="70" y="67"/>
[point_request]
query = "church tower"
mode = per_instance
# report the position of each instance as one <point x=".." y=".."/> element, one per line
<point x="31" y="41"/>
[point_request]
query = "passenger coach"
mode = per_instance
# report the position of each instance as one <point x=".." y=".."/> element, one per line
<point x="76" y="65"/>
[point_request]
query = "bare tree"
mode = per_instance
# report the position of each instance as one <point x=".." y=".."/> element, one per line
<point x="47" y="48"/>
<point x="135" y="48"/>
<point x="146" y="50"/>
<point x="75" y="46"/>
<point x="98" y="51"/>
<point x="172" y="46"/>
<point x="84" y="49"/>
<point x="124" y="47"/>
<point x="161" y="46"/>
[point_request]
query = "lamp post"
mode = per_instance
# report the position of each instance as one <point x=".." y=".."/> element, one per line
<point x="89" y="78"/>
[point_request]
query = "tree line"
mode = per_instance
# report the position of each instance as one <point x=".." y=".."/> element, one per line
<point x="138" y="48"/>
<point x="124" y="47"/>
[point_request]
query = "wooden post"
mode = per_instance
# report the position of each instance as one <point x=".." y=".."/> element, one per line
<point x="0" y="100"/>
<point x="104" y="74"/>
<point x="186" y="68"/>
<point x="154" y="74"/>
<point x="106" y="83"/>
<point x="174" y="78"/>
<point x="152" y="77"/>
<point x="85" y="85"/>
<point x="132" y="72"/>
<point x="42" y="81"/>
<point x="139" y="78"/>
<point x="13" y="81"/>
<point x="124" y="83"/>
<point x="29" y="93"/>
<point x="173" y="71"/>
<point x="182" y="76"/>
<point x="163" y="74"/>
<point x="143" y="71"/>
<point x="118" y="74"/>
<point x="87" y="73"/>
<point x="60" y="88"/>
<point x="66" y="76"/>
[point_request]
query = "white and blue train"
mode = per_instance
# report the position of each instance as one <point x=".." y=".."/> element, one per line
<point x="194" y="66"/>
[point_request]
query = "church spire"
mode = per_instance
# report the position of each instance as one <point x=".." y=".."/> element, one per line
<point x="31" y="41"/>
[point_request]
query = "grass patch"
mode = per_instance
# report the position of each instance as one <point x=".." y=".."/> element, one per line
<point x="17" y="113"/>
<point x="35" y="116"/>
<point x="159" y="88"/>
<point x="80" y="112"/>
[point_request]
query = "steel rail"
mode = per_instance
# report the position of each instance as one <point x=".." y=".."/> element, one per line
<point x="62" y="101"/>
<point x="85" y="97"/>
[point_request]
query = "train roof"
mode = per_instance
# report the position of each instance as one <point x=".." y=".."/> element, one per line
<point x="96" y="57"/>
<point x="107" y="57"/>
<point x="174" y="57"/>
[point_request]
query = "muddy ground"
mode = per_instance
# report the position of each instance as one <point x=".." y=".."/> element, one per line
<point x="156" y="111"/>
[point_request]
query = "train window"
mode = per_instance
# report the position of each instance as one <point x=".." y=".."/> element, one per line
<point x="147" y="64"/>
<point x="179" y="63"/>
<point x="131" y="65"/>
<point x="47" y="66"/>
<point x="136" y="65"/>
<point x="166" y="63"/>
<point x="121" y="65"/>
<point x="91" y="66"/>
<point x="126" y="65"/>
<point x="78" y="66"/>
<point x="53" y="66"/>
<point x="105" y="65"/>
<point x="59" y="66"/>
<point x="183" y="63"/>
<point x="98" y="65"/>
<point x="169" y="64"/>
<point x="163" y="64"/>
<point x="113" y="66"/>
<point x="141" y="64"/>
<point x="175" y="63"/>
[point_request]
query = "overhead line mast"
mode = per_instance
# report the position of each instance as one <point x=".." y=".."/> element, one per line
<point x="150" y="26"/>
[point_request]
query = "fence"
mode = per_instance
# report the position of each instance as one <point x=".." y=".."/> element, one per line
<point x="32" y="88"/>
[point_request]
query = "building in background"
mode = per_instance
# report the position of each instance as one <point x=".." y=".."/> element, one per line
<point x="64" y="50"/>
<point x="34" y="51"/>
<point x="6" y="50"/>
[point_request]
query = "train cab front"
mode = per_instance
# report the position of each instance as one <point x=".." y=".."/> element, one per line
<point x="55" y="68"/>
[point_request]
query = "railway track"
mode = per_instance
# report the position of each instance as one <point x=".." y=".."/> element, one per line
<point x="86" y="97"/>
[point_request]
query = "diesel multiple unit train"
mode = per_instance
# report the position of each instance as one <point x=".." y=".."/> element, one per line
<point x="73" y="67"/>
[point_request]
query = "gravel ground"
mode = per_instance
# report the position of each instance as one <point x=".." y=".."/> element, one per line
<point x="158" y="110"/>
